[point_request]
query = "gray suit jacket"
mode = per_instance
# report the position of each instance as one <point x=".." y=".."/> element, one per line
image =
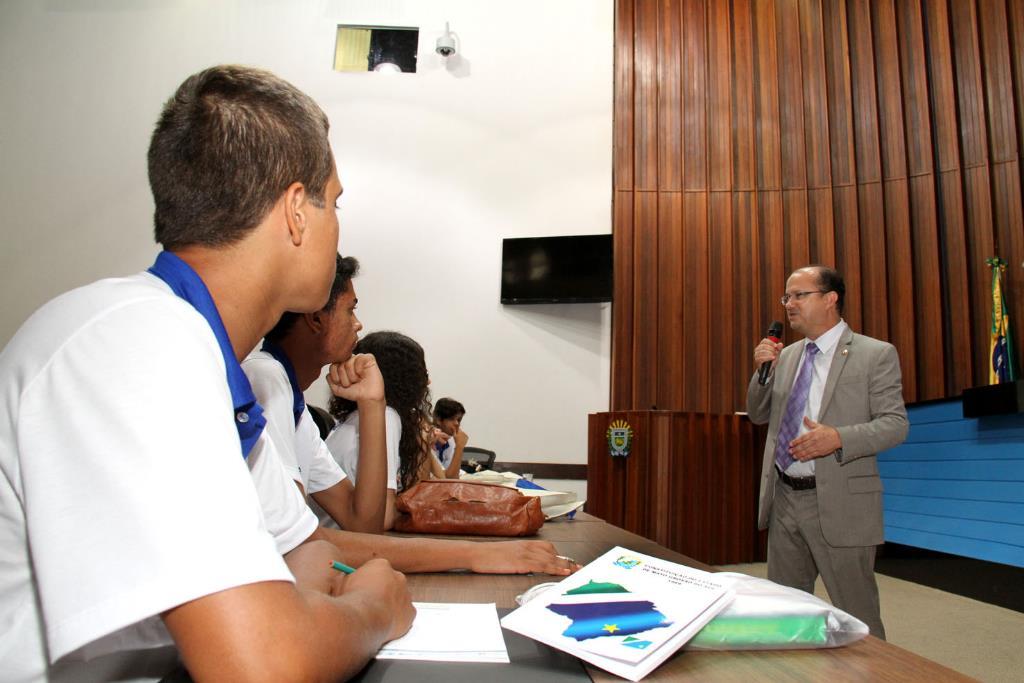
<point x="863" y="400"/>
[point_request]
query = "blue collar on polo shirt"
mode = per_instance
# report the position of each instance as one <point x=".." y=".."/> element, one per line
<point x="184" y="282"/>
<point x="298" y="401"/>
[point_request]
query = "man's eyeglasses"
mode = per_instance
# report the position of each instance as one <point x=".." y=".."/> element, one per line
<point x="799" y="296"/>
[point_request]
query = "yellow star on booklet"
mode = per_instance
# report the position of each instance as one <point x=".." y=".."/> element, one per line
<point x="611" y="628"/>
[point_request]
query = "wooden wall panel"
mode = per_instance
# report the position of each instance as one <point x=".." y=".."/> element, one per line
<point x="755" y="136"/>
<point x="875" y="288"/>
<point x="767" y="143"/>
<point x="795" y="231"/>
<point x="890" y="91"/>
<point x="622" y="311"/>
<point x="645" y="300"/>
<point x="697" y="320"/>
<point x="694" y="51"/>
<point x="671" y="332"/>
<point x="901" y="280"/>
<point x="821" y="241"/>
<point x="918" y="131"/>
<point x="998" y="84"/>
<point x="969" y="84"/>
<point x="864" y="88"/>
<point x="942" y="88"/>
<point x="719" y="97"/>
<point x="847" y="219"/>
<point x="927" y="304"/>
<point x="722" y="282"/>
<point x="645" y="94"/>
<point x="956" y="279"/>
<point x="772" y="258"/>
<point x="791" y="109"/>
<point x="744" y="149"/>
<point x="839" y="96"/>
<point x="670" y="157"/>
<point x="750" y="315"/>
<point x="622" y="149"/>
<point x="815" y="96"/>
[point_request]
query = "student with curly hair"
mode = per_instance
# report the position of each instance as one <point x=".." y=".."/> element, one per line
<point x="401" y="362"/>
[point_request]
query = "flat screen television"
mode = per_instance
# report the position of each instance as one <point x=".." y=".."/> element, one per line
<point x="549" y="270"/>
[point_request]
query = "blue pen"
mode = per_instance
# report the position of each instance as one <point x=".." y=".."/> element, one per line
<point x="342" y="567"/>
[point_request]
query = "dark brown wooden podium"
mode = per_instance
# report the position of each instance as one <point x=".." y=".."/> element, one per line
<point x="689" y="483"/>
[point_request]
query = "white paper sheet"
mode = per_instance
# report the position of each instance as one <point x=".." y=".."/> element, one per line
<point x="451" y="632"/>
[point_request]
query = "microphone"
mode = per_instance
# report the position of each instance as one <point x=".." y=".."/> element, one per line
<point x="775" y="334"/>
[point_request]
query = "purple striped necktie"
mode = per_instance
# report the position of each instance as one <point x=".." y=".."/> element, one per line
<point x="791" y="419"/>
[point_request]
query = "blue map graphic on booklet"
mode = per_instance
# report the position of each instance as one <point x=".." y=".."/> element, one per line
<point x="599" y="619"/>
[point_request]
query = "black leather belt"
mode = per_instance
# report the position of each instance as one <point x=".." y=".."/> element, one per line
<point x="796" y="483"/>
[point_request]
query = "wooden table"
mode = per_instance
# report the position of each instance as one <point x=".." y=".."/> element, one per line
<point x="588" y="537"/>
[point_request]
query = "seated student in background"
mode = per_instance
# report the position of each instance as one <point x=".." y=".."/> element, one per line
<point x="449" y="439"/>
<point x="291" y="358"/>
<point x="131" y="522"/>
<point x="311" y="341"/>
<point x="401" y="361"/>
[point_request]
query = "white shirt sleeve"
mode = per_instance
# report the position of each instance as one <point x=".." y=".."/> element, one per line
<point x="320" y="469"/>
<point x="273" y="391"/>
<point x="343" y="444"/>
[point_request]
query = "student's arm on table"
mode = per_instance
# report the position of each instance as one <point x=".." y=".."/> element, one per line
<point x="412" y="555"/>
<point x="363" y="506"/>
<point x="324" y="627"/>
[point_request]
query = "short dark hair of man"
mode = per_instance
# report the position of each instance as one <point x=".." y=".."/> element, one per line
<point x="229" y="142"/>
<point x="447" y="408"/>
<point x="346" y="268"/>
<point x="829" y="280"/>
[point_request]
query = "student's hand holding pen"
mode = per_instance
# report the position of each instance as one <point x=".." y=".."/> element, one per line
<point x="379" y="584"/>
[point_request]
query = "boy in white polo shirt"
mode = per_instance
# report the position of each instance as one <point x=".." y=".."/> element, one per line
<point x="130" y="522"/>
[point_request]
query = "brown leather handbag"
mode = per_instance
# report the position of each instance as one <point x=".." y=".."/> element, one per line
<point x="449" y="506"/>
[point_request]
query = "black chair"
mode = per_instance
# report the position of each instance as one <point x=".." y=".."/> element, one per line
<point x="476" y="459"/>
<point x="324" y="421"/>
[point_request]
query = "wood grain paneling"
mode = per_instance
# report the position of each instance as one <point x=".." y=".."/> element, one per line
<point x="815" y="98"/>
<point x="998" y="83"/>
<point x="766" y="88"/>
<point x="719" y="97"/>
<point x="671" y="333"/>
<point x="645" y="300"/>
<point x="756" y="136"/>
<point x="744" y="149"/>
<point x="723" y="295"/>
<point x="623" y="97"/>
<point x="695" y="143"/>
<point x="791" y="98"/>
<point x="645" y="95"/>
<point x="918" y="130"/>
<point x="670" y="157"/>
<point x="622" y="310"/>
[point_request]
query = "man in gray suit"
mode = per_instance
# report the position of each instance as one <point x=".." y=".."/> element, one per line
<point x="832" y="402"/>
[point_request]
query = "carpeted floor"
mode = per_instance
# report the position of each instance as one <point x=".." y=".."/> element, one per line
<point x="981" y="640"/>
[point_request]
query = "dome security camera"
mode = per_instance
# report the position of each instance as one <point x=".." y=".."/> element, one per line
<point x="446" y="43"/>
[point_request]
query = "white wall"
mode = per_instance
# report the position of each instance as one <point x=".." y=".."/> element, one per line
<point x="437" y="167"/>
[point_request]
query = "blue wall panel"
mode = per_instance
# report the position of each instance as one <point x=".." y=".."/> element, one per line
<point x="957" y="485"/>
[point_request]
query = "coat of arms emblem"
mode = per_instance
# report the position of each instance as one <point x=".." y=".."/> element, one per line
<point x="620" y="439"/>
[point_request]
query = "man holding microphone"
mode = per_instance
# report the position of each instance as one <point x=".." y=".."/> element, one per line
<point x="832" y="401"/>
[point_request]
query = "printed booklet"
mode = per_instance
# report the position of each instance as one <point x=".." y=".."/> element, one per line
<point x="625" y="612"/>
